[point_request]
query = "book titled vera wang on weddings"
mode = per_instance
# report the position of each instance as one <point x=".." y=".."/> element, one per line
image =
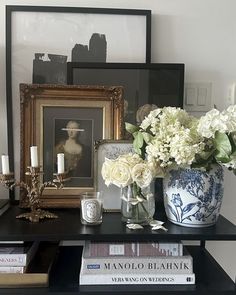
<point x="137" y="279"/>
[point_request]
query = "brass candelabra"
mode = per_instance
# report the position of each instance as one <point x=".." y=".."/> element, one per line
<point x="34" y="189"/>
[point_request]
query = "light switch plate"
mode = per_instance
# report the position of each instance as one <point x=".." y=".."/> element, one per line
<point x="197" y="97"/>
<point x="231" y="98"/>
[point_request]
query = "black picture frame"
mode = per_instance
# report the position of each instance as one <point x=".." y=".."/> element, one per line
<point x="145" y="85"/>
<point x="12" y="11"/>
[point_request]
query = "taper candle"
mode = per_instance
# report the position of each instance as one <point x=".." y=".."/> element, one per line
<point x="34" y="156"/>
<point x="60" y="163"/>
<point x="5" y="164"/>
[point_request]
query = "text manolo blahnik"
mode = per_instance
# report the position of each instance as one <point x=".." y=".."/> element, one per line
<point x="149" y="265"/>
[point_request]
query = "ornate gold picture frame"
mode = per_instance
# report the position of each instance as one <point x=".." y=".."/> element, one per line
<point x="46" y="114"/>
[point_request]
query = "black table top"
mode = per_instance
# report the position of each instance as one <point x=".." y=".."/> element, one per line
<point x="69" y="227"/>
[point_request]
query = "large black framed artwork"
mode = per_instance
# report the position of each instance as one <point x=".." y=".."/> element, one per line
<point x="41" y="39"/>
<point x="145" y="85"/>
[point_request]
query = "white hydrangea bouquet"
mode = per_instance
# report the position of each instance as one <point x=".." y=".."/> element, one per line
<point x="170" y="137"/>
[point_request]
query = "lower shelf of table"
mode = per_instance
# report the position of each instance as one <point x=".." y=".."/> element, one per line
<point x="64" y="279"/>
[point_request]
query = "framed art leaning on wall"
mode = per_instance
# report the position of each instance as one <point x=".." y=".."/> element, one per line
<point x="68" y="120"/>
<point x="146" y="86"/>
<point x="40" y="40"/>
<point x="110" y="149"/>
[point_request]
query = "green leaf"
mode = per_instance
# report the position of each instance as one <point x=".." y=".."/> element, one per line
<point x="138" y="143"/>
<point x="131" y="128"/>
<point x="232" y="141"/>
<point x="139" y="139"/>
<point x="206" y="154"/>
<point x="223" y="147"/>
<point x="233" y="155"/>
<point x="137" y="150"/>
<point x="222" y="142"/>
<point x="147" y="137"/>
<point x="222" y="158"/>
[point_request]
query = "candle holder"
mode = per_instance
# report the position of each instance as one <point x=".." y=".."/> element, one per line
<point x="34" y="189"/>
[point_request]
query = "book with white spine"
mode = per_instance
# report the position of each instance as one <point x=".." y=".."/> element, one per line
<point x="12" y="269"/>
<point x="11" y="242"/>
<point x="17" y="255"/>
<point x="162" y="265"/>
<point x="137" y="279"/>
<point x="37" y="272"/>
<point x="136" y="265"/>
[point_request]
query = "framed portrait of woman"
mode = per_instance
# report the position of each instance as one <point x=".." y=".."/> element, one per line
<point x="74" y="138"/>
<point x="69" y="120"/>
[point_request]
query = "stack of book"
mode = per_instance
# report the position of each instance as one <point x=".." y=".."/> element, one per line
<point x="26" y="265"/>
<point x="135" y="263"/>
<point x="14" y="258"/>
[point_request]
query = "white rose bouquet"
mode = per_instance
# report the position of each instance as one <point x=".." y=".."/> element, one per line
<point x="133" y="175"/>
<point x="169" y="136"/>
<point x="127" y="169"/>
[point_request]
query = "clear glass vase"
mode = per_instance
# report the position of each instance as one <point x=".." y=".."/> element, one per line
<point x="137" y="204"/>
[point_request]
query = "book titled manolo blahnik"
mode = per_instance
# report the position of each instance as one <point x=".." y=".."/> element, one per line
<point x="135" y="249"/>
<point x="136" y="265"/>
<point x="138" y="279"/>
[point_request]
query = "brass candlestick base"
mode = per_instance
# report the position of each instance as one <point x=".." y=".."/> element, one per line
<point x="7" y="179"/>
<point x="37" y="214"/>
<point x="34" y="190"/>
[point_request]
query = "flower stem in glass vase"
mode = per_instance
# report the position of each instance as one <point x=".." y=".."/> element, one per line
<point x="137" y="206"/>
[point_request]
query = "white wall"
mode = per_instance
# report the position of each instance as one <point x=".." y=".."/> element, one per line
<point x="201" y="34"/>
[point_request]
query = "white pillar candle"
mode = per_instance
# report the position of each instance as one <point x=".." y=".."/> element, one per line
<point x="34" y="156"/>
<point x="60" y="163"/>
<point x="5" y="164"/>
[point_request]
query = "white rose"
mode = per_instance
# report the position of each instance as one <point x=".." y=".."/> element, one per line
<point x="142" y="175"/>
<point x="130" y="159"/>
<point x="106" y="171"/>
<point x="120" y="174"/>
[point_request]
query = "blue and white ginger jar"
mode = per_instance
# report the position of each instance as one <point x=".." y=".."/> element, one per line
<point x="193" y="197"/>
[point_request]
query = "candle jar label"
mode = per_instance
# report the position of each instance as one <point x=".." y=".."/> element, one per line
<point x="91" y="209"/>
